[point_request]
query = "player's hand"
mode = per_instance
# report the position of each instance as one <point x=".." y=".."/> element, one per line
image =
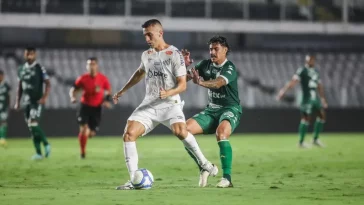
<point x="73" y="100"/>
<point x="16" y="106"/>
<point x="107" y="105"/>
<point x="163" y="94"/>
<point x="280" y="95"/>
<point x="115" y="98"/>
<point x="186" y="56"/>
<point x="324" y="103"/>
<point x="195" y="76"/>
<point x="42" y="101"/>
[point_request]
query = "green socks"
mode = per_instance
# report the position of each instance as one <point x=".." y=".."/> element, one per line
<point x="319" y="124"/>
<point x="226" y="157"/>
<point x="3" y="131"/>
<point x="38" y="138"/>
<point x="302" y="129"/>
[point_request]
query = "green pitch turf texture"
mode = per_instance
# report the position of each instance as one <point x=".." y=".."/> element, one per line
<point x="267" y="169"/>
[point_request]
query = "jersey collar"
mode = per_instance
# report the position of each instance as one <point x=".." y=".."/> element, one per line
<point x="30" y="66"/>
<point x="222" y="64"/>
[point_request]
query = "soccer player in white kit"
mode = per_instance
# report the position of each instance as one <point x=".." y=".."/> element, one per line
<point x="164" y="70"/>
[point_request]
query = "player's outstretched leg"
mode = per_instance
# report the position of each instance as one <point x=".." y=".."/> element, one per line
<point x="319" y="124"/>
<point x="189" y="141"/>
<point x="223" y="132"/>
<point x="302" y="130"/>
<point x="133" y="130"/>
<point x="82" y="139"/>
<point x="3" y="133"/>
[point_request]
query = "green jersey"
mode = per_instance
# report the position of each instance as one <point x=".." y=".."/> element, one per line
<point x="4" y="96"/>
<point x="309" y="79"/>
<point x="227" y="95"/>
<point x="32" y="78"/>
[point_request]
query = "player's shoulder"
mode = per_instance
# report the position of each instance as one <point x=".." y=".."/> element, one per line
<point x="103" y="75"/>
<point x="204" y="62"/>
<point x="230" y="65"/>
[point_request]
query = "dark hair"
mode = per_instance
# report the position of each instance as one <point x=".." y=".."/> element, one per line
<point x="220" y="40"/>
<point x="151" y="22"/>
<point x="1" y="72"/>
<point x="31" y="49"/>
<point x="93" y="59"/>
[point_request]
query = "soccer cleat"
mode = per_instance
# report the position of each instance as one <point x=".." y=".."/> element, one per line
<point x="3" y="143"/>
<point x="224" y="183"/>
<point x="83" y="156"/>
<point x="48" y="150"/>
<point x="37" y="157"/>
<point x="208" y="169"/>
<point x="126" y="186"/>
<point x="304" y="145"/>
<point x="318" y="143"/>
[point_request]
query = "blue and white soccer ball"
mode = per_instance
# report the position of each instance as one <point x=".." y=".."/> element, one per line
<point x="143" y="179"/>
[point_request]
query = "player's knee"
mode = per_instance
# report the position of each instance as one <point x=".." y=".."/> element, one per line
<point x="84" y="129"/>
<point x="180" y="132"/>
<point x="129" y="135"/>
<point x="222" y="133"/>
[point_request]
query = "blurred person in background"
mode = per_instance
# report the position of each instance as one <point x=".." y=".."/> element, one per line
<point x="96" y="94"/>
<point x="4" y="108"/>
<point x="32" y="96"/>
<point x="313" y="100"/>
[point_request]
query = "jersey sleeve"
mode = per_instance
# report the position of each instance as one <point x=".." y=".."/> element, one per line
<point x="78" y="82"/>
<point x="141" y="66"/>
<point x="298" y="74"/>
<point x="178" y="64"/>
<point x="44" y="73"/>
<point x="229" y="73"/>
<point x="200" y="65"/>
<point x="107" y="85"/>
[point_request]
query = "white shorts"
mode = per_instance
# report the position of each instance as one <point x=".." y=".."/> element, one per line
<point x="151" y="117"/>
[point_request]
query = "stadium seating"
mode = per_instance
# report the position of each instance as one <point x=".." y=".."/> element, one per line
<point x="261" y="73"/>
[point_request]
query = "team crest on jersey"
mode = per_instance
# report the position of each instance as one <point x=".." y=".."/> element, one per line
<point x="169" y="52"/>
<point x="97" y="88"/>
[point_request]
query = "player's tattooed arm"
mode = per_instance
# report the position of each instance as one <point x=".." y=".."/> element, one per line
<point x="18" y="96"/>
<point x="135" y="78"/>
<point x="320" y="89"/>
<point x="181" y="87"/>
<point x="47" y="90"/>
<point x="293" y="82"/>
<point x="211" y="84"/>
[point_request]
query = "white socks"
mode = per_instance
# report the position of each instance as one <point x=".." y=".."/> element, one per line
<point x="131" y="157"/>
<point x="191" y="144"/>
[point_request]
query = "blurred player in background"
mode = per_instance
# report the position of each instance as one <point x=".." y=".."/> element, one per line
<point x="313" y="100"/>
<point x="164" y="71"/>
<point x="222" y="114"/>
<point x="4" y="107"/>
<point x="32" y="96"/>
<point x="96" y="93"/>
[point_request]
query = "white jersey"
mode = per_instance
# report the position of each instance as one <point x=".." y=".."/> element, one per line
<point x="161" y="70"/>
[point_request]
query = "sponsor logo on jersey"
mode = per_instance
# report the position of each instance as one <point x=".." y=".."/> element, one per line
<point x="229" y="114"/>
<point x="229" y="72"/>
<point x="167" y="62"/>
<point x="156" y="73"/>
<point x="182" y="61"/>
<point x="213" y="94"/>
<point x="230" y="67"/>
<point x="169" y="52"/>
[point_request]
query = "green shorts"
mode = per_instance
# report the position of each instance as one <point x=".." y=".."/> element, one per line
<point x="311" y="107"/>
<point x="3" y="116"/>
<point x="210" y="118"/>
<point x="33" y="112"/>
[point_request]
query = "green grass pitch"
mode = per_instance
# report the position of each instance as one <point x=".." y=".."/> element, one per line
<point x="267" y="169"/>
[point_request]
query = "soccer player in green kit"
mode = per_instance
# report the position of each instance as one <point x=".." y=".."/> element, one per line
<point x="222" y="114"/>
<point x="4" y="108"/>
<point x="313" y="100"/>
<point x="31" y="91"/>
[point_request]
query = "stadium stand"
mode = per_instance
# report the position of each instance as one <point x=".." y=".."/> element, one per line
<point x="261" y="73"/>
